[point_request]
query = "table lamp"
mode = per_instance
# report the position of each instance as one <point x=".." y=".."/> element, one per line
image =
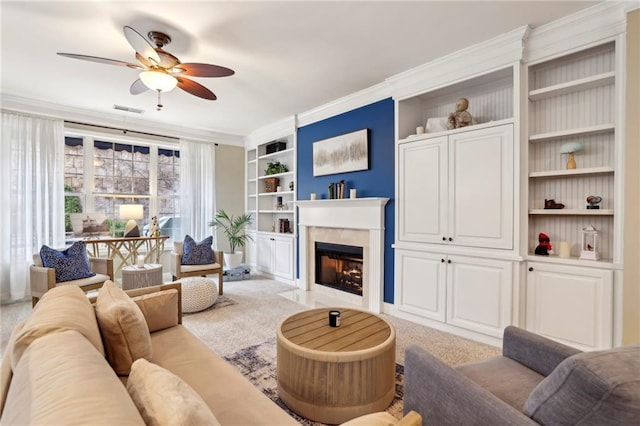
<point x="570" y="148"/>
<point x="131" y="212"/>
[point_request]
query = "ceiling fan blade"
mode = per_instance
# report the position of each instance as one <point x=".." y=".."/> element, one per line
<point x="204" y="70"/>
<point x="101" y="60"/>
<point x="196" y="89"/>
<point x="138" y="87"/>
<point x="140" y="44"/>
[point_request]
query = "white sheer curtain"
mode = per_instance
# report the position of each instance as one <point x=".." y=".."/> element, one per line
<point x="31" y="196"/>
<point x="197" y="187"/>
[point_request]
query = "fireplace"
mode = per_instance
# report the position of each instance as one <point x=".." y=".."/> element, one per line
<point x="339" y="266"/>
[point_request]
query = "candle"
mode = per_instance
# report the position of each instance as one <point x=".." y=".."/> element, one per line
<point x="419" y="130"/>
<point x="313" y="196"/>
<point x="278" y="188"/>
<point x="564" y="249"/>
<point x="140" y="262"/>
<point x="352" y="193"/>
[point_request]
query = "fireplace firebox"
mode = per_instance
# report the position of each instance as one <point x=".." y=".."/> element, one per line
<point x="339" y="266"/>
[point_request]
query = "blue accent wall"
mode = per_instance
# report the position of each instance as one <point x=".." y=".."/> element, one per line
<point x="377" y="181"/>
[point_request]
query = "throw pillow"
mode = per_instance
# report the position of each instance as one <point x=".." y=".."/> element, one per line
<point x="60" y="309"/>
<point x="123" y="327"/>
<point x="163" y="398"/>
<point x="600" y="387"/>
<point x="70" y="264"/>
<point x="197" y="253"/>
<point x="160" y="309"/>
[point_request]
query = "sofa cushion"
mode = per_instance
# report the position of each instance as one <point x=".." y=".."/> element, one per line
<point x="124" y="329"/>
<point x="60" y="309"/>
<point x="70" y="264"/>
<point x="507" y="379"/>
<point x="601" y="387"/>
<point x="62" y="379"/>
<point x="160" y="309"/>
<point x="197" y="253"/>
<point x="163" y="398"/>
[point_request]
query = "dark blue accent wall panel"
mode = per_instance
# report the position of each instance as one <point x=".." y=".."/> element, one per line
<point x="377" y="181"/>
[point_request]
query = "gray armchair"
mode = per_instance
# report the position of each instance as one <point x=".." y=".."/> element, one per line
<point x="535" y="381"/>
<point x="43" y="279"/>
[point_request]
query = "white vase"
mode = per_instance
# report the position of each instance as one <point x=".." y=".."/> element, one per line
<point x="233" y="260"/>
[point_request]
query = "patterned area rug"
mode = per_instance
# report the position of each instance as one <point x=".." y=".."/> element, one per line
<point x="221" y="302"/>
<point x="258" y="364"/>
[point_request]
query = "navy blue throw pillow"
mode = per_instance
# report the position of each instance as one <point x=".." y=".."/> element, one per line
<point x="197" y="253"/>
<point x="70" y="264"/>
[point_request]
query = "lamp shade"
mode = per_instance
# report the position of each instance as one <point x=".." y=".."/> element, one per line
<point x="158" y="80"/>
<point x="571" y="147"/>
<point x="131" y="211"/>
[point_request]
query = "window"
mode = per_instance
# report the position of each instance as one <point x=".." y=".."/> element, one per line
<point x="102" y="174"/>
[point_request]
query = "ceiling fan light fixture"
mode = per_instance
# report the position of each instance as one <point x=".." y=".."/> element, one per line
<point x="158" y="81"/>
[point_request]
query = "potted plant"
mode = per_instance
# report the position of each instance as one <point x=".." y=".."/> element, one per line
<point x="233" y="227"/>
<point x="275" y="168"/>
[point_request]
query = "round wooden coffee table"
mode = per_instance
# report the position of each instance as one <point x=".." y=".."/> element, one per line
<point x="333" y="374"/>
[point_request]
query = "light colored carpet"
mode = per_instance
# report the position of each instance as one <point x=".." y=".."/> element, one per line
<point x="258" y="311"/>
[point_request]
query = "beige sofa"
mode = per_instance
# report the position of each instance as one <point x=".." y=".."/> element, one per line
<point x="60" y="367"/>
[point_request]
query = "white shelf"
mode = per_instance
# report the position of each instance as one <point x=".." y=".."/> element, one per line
<point x="573" y="86"/>
<point x="251" y="162"/>
<point x="572" y="212"/>
<point x="276" y="211"/>
<point x="251" y="195"/>
<point x="276" y="175"/>
<point x="251" y="180"/>
<point x="265" y="194"/>
<point x="276" y="154"/>
<point x="584" y="131"/>
<point x="572" y="261"/>
<point x="574" y="172"/>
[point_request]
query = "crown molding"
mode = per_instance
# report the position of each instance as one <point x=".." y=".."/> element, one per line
<point x="339" y="106"/>
<point x="493" y="54"/>
<point x="279" y="129"/>
<point x="601" y="22"/>
<point x="31" y="106"/>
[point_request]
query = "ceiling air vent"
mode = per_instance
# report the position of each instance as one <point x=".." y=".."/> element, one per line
<point x="128" y="109"/>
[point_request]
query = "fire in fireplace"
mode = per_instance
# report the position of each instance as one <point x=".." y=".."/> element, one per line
<point x="339" y="266"/>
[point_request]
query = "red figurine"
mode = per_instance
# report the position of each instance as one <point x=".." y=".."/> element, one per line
<point x="545" y="245"/>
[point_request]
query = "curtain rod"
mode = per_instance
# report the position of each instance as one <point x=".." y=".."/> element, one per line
<point x="125" y="131"/>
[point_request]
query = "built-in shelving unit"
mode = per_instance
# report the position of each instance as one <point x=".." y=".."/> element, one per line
<point x="572" y="99"/>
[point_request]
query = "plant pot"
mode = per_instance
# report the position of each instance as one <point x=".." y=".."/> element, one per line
<point x="233" y="260"/>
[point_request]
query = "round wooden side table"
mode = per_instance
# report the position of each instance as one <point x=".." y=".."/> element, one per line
<point x="334" y="374"/>
<point x="136" y="277"/>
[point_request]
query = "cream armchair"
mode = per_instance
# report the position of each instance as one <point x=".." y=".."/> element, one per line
<point x="178" y="270"/>
<point x="43" y="279"/>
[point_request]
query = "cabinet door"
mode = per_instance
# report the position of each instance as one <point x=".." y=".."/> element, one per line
<point x="250" y="250"/>
<point x="571" y="305"/>
<point x="422" y="190"/>
<point x="479" y="294"/>
<point x="283" y="257"/>
<point x="481" y="187"/>
<point x="420" y="284"/>
<point x="265" y="253"/>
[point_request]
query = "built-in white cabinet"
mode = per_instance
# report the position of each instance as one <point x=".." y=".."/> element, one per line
<point x="458" y="188"/>
<point x="275" y="255"/>
<point x="471" y="293"/>
<point x="573" y="305"/>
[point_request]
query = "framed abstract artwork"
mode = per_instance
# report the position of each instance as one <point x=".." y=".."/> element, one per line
<point x="341" y="154"/>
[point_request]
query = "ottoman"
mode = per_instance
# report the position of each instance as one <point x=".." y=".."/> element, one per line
<point x="198" y="293"/>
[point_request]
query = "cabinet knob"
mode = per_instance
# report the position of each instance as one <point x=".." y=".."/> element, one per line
<point x="444" y="238"/>
<point x="530" y="269"/>
<point x="442" y="260"/>
<point x="449" y="261"/>
<point x="450" y="239"/>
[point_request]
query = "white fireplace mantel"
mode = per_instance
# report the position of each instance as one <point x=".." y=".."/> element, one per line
<point x="360" y="213"/>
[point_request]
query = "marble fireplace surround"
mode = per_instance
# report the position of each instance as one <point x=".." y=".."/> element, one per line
<point x="356" y="222"/>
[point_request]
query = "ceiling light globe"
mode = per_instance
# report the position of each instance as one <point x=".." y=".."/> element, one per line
<point x="158" y="81"/>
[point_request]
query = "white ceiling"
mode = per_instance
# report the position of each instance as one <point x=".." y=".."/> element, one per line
<point x="289" y="57"/>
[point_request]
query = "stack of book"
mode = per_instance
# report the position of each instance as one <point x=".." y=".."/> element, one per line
<point x="284" y="227"/>
<point x="336" y="190"/>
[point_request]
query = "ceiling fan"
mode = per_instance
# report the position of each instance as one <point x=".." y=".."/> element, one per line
<point x="161" y="71"/>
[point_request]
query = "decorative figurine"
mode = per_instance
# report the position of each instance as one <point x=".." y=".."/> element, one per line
<point x="461" y="117"/>
<point x="551" y="204"/>
<point x="544" y="248"/>
<point x="593" y="201"/>
<point x="291" y="186"/>
<point x="154" y="230"/>
<point x="590" y="243"/>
